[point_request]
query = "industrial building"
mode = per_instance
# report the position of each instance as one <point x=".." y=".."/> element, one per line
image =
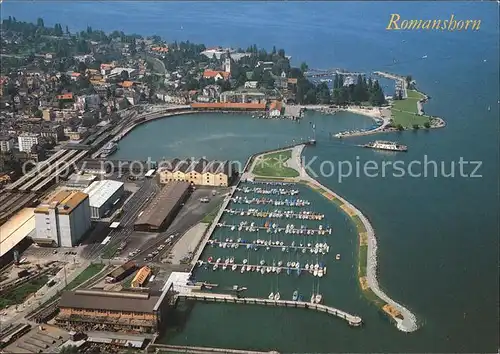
<point x="199" y="173"/>
<point x="113" y="311"/>
<point x="103" y="195"/>
<point x="162" y="210"/>
<point x="62" y="219"/>
<point x="78" y="180"/>
<point x="121" y="272"/>
<point x="14" y="234"/>
<point x="141" y="277"/>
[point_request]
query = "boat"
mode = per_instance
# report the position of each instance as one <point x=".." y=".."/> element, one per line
<point x="295" y="295"/>
<point x="424" y="57"/>
<point x="337" y="257"/>
<point x="313" y="298"/>
<point x="386" y="145"/>
<point x="262" y="270"/>
<point x="277" y="296"/>
<point x="215" y="266"/>
<point x="271" y="296"/>
<point x="109" y="149"/>
<point x="234" y="267"/>
<point x="318" y="298"/>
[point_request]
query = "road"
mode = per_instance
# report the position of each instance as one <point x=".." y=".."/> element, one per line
<point x="131" y="209"/>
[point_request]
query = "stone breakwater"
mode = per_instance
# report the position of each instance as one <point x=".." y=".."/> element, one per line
<point x="405" y="320"/>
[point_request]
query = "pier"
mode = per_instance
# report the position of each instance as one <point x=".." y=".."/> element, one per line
<point x="352" y="320"/>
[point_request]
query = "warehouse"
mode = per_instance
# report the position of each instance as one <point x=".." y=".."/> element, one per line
<point x="141" y="277"/>
<point x="162" y="210"/>
<point x="121" y="272"/>
<point x="103" y="195"/>
<point x="62" y="219"/>
<point x="112" y="311"/>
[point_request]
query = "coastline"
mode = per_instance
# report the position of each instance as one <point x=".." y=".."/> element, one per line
<point x="367" y="272"/>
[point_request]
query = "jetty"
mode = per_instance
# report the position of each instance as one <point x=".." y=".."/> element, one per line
<point x="352" y="320"/>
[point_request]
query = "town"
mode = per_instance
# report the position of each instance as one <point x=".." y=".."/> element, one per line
<point x="95" y="252"/>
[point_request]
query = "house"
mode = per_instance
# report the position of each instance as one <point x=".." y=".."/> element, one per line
<point x="275" y="109"/>
<point x="216" y="75"/>
<point x="251" y="84"/>
<point x="75" y="76"/>
<point x="212" y="91"/>
<point x="65" y="97"/>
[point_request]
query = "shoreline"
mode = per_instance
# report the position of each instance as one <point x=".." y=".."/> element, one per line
<point x="367" y="274"/>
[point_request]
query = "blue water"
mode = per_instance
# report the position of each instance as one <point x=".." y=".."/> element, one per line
<point x="438" y="238"/>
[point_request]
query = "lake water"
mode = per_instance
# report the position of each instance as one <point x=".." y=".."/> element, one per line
<point x="438" y="237"/>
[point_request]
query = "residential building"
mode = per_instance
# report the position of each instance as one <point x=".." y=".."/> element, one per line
<point x="216" y="75"/>
<point x="6" y="143"/>
<point x="63" y="219"/>
<point x="56" y="132"/>
<point x="251" y="84"/>
<point x="27" y="141"/>
<point x="200" y="173"/>
<point x="275" y="109"/>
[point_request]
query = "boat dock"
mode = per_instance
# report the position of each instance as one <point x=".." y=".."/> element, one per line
<point x="352" y="320"/>
<point x="295" y="231"/>
<point x="254" y="245"/>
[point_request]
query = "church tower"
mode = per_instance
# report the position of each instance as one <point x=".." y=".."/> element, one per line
<point x="227" y="64"/>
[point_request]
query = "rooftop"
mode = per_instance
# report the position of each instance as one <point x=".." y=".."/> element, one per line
<point x="100" y="191"/>
<point x="16" y="229"/>
<point x="163" y="204"/>
<point x="65" y="201"/>
<point x="110" y="301"/>
<point x="220" y="105"/>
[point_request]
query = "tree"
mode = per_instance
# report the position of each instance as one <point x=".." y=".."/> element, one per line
<point x="427" y="125"/>
<point x="38" y="113"/>
<point x="124" y="75"/>
<point x="82" y="67"/>
<point x="408" y="81"/>
<point x="400" y="127"/>
<point x="416" y="126"/>
<point x="69" y="349"/>
<point x="39" y="22"/>
<point x="304" y="67"/>
<point x="132" y="47"/>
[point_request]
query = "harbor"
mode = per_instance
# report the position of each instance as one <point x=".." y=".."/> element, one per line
<point x="260" y="236"/>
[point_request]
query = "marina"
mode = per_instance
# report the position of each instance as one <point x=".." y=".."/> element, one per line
<point x="241" y="250"/>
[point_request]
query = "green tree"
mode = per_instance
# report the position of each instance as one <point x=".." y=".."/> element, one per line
<point x="304" y="67"/>
<point x="408" y="80"/>
<point x="38" y="113"/>
<point x="427" y="125"/>
<point x="400" y="127"/>
<point x="416" y="127"/>
<point x="124" y="76"/>
<point x="69" y="349"/>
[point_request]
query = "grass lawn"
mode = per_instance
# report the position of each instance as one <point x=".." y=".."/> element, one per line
<point x="415" y="94"/>
<point x="407" y="120"/>
<point x="110" y="250"/>
<point x="87" y="273"/>
<point x="274" y="165"/>
<point x="19" y="294"/>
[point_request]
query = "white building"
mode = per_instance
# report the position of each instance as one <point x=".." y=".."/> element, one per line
<point x="251" y="84"/>
<point x="6" y="143"/>
<point x="63" y="219"/>
<point x="26" y="141"/>
<point x="103" y="195"/>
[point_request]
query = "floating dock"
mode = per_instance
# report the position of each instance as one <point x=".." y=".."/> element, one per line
<point x="352" y="320"/>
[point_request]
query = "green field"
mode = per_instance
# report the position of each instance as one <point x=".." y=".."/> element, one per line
<point x="405" y="112"/>
<point x="19" y="294"/>
<point x="274" y="165"/>
<point x="87" y="273"/>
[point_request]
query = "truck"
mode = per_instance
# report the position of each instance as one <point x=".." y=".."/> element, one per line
<point x="23" y="273"/>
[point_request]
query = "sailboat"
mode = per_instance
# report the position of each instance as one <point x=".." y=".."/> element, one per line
<point x="271" y="296"/>
<point x="318" y="298"/>
<point x="295" y="295"/>
<point x="277" y="296"/>
<point x="234" y="267"/>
